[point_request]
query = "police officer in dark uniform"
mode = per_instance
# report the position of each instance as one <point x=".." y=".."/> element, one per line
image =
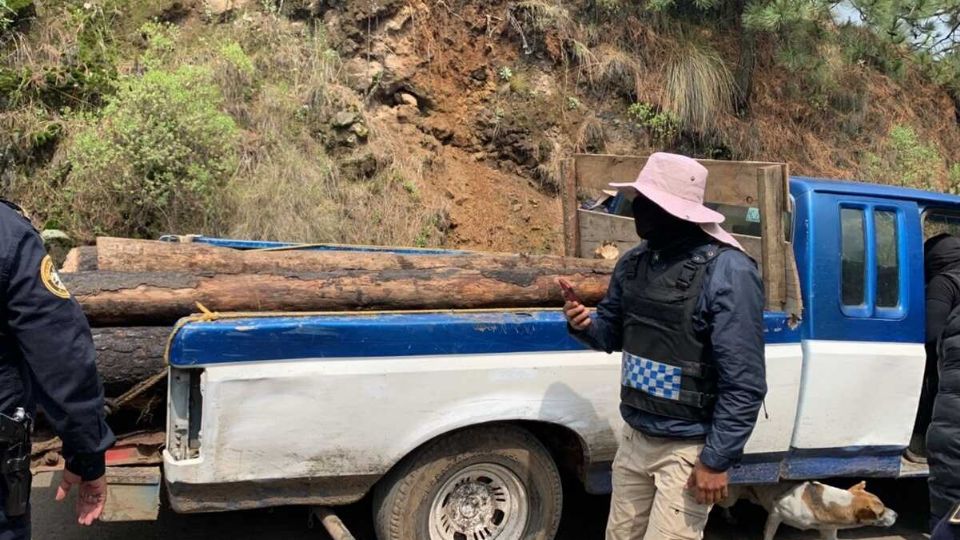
<point x="46" y="360"/>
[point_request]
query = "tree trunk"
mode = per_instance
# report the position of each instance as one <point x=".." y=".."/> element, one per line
<point x="158" y="298"/>
<point x="127" y="356"/>
<point x="745" y="68"/>
<point x="747" y="62"/>
<point x="80" y="259"/>
<point x="128" y="255"/>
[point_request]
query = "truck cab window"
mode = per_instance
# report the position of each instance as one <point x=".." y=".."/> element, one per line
<point x="853" y="257"/>
<point x="940" y="221"/>
<point x="888" y="264"/>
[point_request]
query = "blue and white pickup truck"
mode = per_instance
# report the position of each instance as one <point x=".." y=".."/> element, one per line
<point x="460" y="423"/>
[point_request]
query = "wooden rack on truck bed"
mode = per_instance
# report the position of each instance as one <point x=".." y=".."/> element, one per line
<point x="745" y="192"/>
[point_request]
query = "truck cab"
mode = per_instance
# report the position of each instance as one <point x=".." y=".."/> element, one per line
<point x="860" y="251"/>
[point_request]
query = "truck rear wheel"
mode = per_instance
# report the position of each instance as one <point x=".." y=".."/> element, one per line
<point x="495" y="483"/>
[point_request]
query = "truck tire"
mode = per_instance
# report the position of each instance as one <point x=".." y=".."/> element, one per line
<point x="484" y="483"/>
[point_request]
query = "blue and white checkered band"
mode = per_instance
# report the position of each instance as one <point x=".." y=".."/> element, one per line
<point x="654" y="378"/>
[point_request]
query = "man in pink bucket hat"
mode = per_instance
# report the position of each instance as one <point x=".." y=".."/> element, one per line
<point x="686" y="309"/>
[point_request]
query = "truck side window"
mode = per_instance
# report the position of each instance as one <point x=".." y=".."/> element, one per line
<point x="888" y="264"/>
<point x="853" y="257"/>
<point x="940" y="221"/>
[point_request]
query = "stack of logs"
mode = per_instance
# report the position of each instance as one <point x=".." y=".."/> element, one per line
<point x="134" y="291"/>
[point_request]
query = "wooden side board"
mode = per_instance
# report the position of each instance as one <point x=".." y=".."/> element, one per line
<point x="599" y="228"/>
<point x="568" y="194"/>
<point x="751" y="184"/>
<point x="728" y="182"/>
<point x="773" y="243"/>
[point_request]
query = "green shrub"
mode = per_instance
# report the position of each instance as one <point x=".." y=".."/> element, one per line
<point x="234" y="73"/>
<point x="906" y="160"/>
<point x="161" y="41"/>
<point x="234" y="54"/>
<point x="663" y="126"/>
<point x="411" y="188"/>
<point x="155" y="159"/>
<point x="953" y="177"/>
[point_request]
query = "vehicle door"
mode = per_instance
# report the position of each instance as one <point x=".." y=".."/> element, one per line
<point x="863" y="340"/>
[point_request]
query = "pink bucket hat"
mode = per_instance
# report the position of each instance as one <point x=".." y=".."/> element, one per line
<point x="677" y="183"/>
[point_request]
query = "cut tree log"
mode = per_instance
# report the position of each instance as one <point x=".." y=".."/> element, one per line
<point x="158" y="298"/>
<point x="80" y="259"/>
<point x="127" y="356"/>
<point x="129" y="255"/>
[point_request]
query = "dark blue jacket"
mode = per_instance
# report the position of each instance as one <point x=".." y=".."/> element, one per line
<point x="730" y="315"/>
<point x="47" y="356"/>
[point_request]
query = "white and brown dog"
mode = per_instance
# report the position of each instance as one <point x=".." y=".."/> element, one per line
<point x="814" y="506"/>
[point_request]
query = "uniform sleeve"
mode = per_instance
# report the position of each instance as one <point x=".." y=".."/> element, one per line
<point x="734" y="299"/>
<point x="55" y="341"/>
<point x="605" y="332"/>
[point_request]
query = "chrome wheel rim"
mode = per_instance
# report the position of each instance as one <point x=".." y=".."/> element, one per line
<point x="484" y="501"/>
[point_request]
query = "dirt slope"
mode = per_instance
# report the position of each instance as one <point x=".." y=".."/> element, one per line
<point x="445" y="122"/>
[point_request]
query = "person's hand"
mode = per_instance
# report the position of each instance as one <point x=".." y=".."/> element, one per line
<point x="707" y="485"/>
<point x="577" y="315"/>
<point x="91" y="496"/>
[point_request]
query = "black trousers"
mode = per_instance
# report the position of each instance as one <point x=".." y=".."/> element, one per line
<point x="17" y="528"/>
<point x="928" y="393"/>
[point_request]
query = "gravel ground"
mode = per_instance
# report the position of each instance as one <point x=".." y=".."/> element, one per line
<point x="583" y="520"/>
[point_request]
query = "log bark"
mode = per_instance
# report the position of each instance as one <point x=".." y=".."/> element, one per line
<point x="80" y="259"/>
<point x="129" y="255"/>
<point x="126" y="356"/>
<point x="158" y="298"/>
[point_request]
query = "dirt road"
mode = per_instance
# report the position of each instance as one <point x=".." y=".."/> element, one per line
<point x="583" y="520"/>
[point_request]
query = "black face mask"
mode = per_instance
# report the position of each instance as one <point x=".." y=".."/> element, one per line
<point x="649" y="219"/>
<point x="657" y="226"/>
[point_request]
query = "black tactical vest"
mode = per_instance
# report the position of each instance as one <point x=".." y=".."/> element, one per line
<point x="667" y="368"/>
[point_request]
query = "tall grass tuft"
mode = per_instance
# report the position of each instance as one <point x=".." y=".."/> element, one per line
<point x="615" y="67"/>
<point x="590" y="135"/>
<point x="544" y="14"/>
<point x="285" y="197"/>
<point x="699" y="86"/>
<point x="533" y="20"/>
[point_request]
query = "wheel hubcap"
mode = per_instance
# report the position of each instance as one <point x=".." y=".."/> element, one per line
<point x="484" y="501"/>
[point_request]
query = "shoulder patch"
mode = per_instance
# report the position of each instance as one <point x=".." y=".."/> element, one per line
<point x="51" y="279"/>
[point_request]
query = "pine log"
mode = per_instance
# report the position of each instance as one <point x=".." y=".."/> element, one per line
<point x="127" y="356"/>
<point x="80" y="259"/>
<point x="158" y="298"/>
<point x="129" y="255"/>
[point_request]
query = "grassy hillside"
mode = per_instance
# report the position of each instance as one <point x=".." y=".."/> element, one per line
<point x="424" y="123"/>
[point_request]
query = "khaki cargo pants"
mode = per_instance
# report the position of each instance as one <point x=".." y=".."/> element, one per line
<point x="650" y="500"/>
